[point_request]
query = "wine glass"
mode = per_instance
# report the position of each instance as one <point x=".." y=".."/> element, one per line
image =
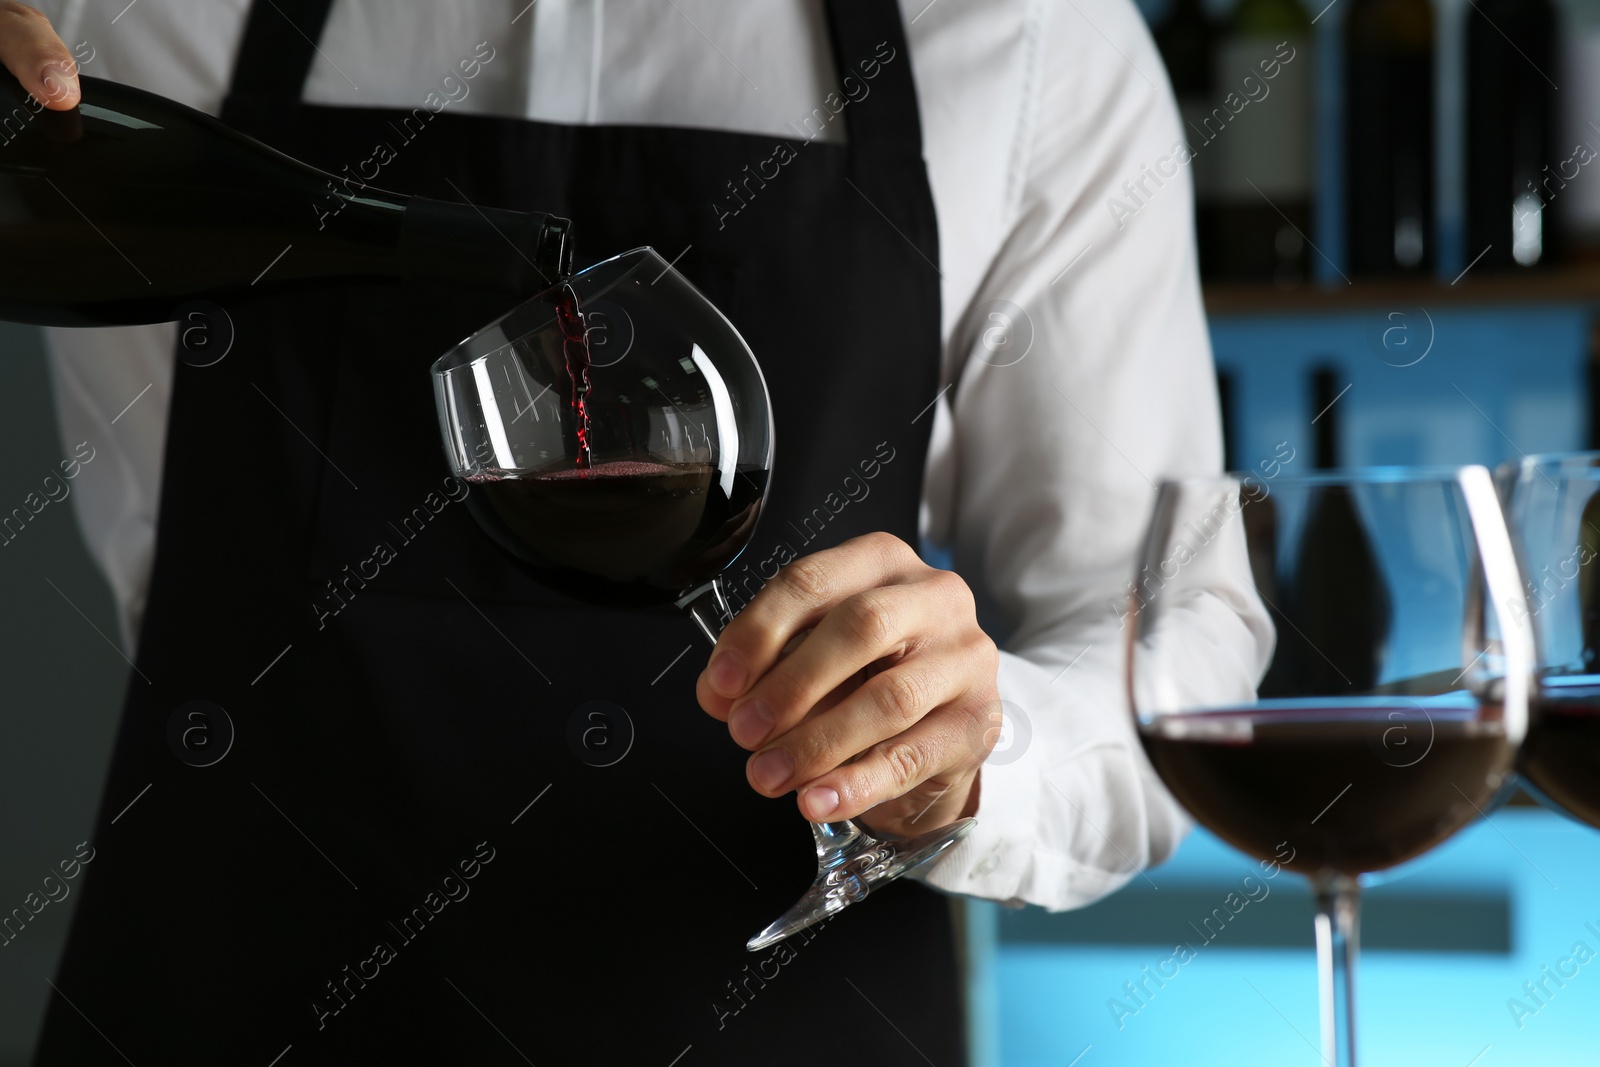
<point x="617" y="434"/>
<point x="1394" y="696"/>
<point x="1553" y="505"/>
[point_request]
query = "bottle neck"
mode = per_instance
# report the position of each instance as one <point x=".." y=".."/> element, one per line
<point x="519" y="251"/>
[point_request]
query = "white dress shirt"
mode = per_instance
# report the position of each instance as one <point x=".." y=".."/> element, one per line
<point x="1075" y="350"/>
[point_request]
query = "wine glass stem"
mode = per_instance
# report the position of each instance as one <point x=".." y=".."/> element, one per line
<point x="833" y="836"/>
<point x="1338" y="912"/>
<point x="709" y="609"/>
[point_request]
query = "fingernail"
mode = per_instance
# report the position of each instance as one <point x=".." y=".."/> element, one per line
<point x="771" y="770"/>
<point x="820" y="802"/>
<point x="750" y="724"/>
<point x="59" y="79"/>
<point x="727" y="674"/>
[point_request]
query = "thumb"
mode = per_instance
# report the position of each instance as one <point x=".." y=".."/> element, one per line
<point x="30" y="49"/>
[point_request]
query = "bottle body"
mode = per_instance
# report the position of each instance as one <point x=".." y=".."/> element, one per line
<point x="1186" y="38"/>
<point x="1336" y="598"/>
<point x="130" y="205"/>
<point x="1513" y="179"/>
<point x="1264" y="160"/>
<point x="1389" y="134"/>
<point x="1577" y="146"/>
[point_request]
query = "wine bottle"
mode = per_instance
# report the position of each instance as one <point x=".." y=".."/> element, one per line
<point x="130" y="205"/>
<point x="1264" y="154"/>
<point x="1514" y="179"/>
<point x="1578" y="145"/>
<point x="1589" y="584"/>
<point x="1337" y="599"/>
<point x="1186" y="38"/>
<point x="1388" y="124"/>
<point x="1227" y="392"/>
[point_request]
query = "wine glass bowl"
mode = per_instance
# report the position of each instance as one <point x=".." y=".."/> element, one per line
<point x="1395" y="696"/>
<point x="617" y="435"/>
<point x="1553" y="506"/>
<point x="662" y="490"/>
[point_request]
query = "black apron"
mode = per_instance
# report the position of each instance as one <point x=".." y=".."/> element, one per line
<point x="410" y="852"/>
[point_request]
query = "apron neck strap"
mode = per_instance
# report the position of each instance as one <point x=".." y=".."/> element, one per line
<point x="864" y="33"/>
<point x="280" y="43"/>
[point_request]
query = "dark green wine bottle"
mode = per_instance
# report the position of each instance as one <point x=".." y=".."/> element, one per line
<point x="130" y="205"/>
<point x="1264" y="156"/>
<point x="1514" y="176"/>
<point x="1388" y="124"/>
<point x="1187" y="39"/>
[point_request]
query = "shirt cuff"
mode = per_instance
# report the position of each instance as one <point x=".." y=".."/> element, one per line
<point x="1065" y="815"/>
<point x="992" y="858"/>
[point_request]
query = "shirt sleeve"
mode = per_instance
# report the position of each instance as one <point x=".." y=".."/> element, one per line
<point x="1082" y="377"/>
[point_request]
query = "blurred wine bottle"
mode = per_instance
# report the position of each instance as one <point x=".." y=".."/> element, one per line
<point x="1388" y="123"/>
<point x="1186" y="38"/>
<point x="1514" y="176"/>
<point x="1589" y="584"/>
<point x="1578" y="146"/>
<point x="1263" y="155"/>
<point x="1337" y="602"/>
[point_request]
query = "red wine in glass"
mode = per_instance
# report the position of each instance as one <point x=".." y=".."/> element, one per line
<point x="625" y="532"/>
<point x="1352" y="786"/>
<point x="621" y="533"/>
<point x="1561" y="756"/>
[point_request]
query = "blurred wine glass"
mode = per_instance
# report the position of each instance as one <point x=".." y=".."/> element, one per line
<point x="1553" y="505"/>
<point x="1396" y="693"/>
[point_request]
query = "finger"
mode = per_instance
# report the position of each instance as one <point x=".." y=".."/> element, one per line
<point x="720" y="709"/>
<point x="882" y="623"/>
<point x="933" y="747"/>
<point x="838" y="696"/>
<point x="30" y="49"/>
<point x="938" y="801"/>
<point x="801" y="594"/>
<point x="886" y="706"/>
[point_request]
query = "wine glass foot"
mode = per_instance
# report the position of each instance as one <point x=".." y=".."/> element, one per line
<point x="849" y="870"/>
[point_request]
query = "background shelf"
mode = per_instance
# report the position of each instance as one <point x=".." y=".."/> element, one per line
<point x="1578" y="284"/>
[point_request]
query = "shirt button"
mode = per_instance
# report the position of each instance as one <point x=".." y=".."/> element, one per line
<point x="989" y="864"/>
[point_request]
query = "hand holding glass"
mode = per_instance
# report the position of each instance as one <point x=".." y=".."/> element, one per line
<point x="617" y="433"/>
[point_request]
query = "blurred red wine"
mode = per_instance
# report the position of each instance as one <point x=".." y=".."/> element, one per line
<point x="1561" y="755"/>
<point x="622" y="533"/>
<point x="1353" y="786"/>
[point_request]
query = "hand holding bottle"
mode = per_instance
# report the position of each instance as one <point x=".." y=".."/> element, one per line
<point x="30" y="49"/>
<point x="186" y="208"/>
